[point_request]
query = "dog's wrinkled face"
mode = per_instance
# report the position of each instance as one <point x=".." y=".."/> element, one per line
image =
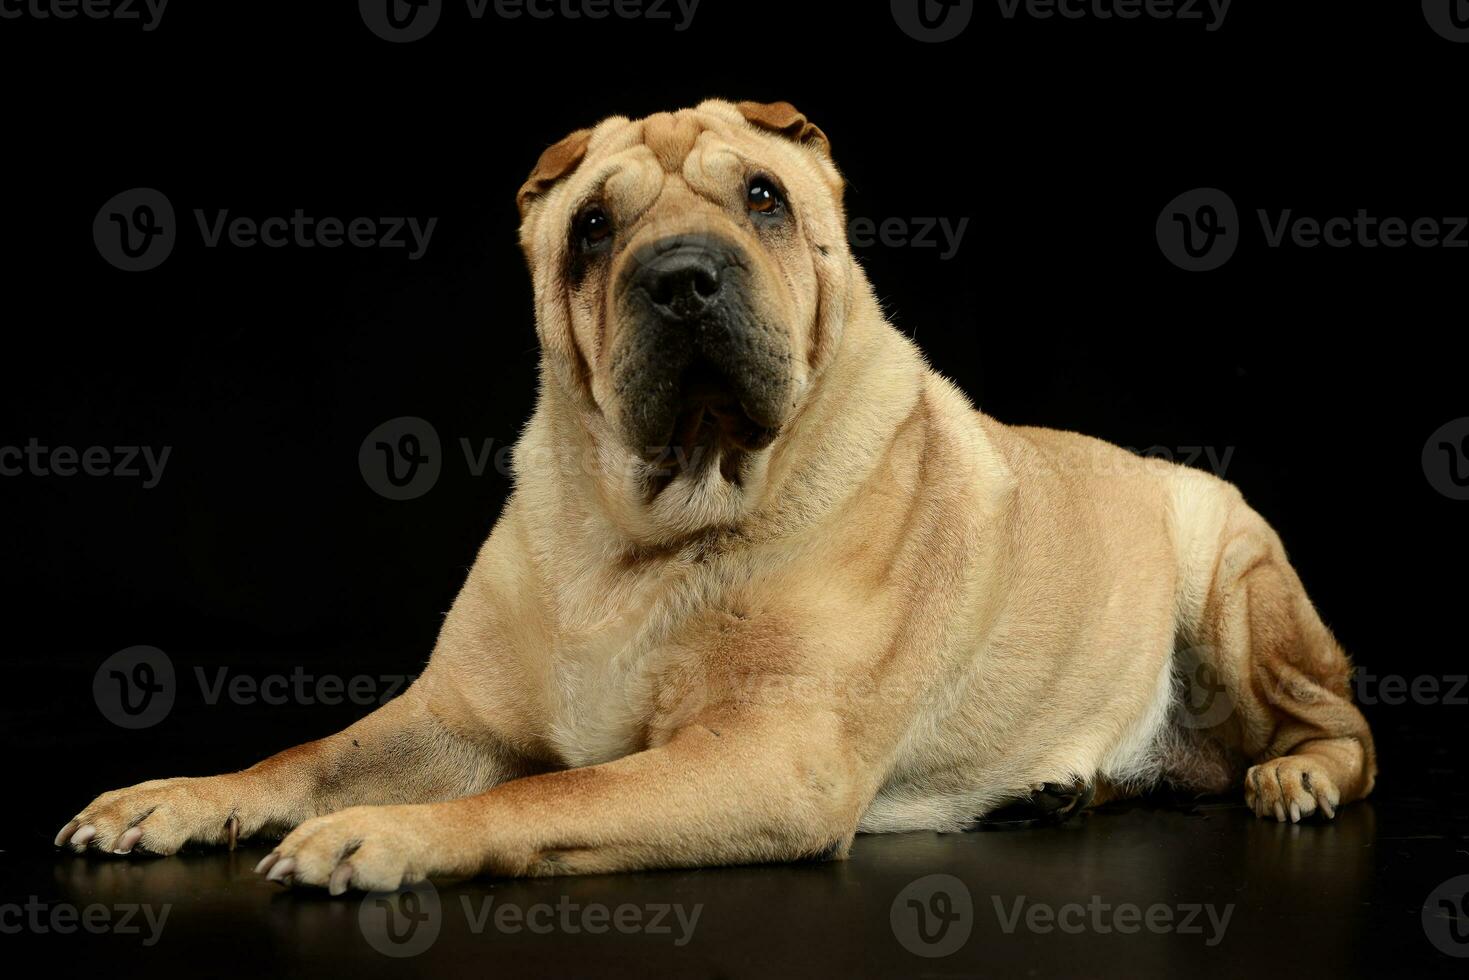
<point x="683" y="265"/>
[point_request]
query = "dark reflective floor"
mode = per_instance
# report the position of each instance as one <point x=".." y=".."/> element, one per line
<point x="1135" y="891"/>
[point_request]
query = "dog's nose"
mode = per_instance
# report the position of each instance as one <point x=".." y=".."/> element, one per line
<point x="681" y="276"/>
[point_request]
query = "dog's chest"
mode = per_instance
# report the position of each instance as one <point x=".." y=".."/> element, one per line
<point x="628" y="654"/>
<point x="599" y="706"/>
<point x="603" y="682"/>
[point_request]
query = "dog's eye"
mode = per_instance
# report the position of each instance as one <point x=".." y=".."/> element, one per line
<point x="762" y="197"/>
<point x="593" y="227"/>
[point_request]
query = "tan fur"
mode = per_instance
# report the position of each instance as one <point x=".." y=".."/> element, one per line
<point x="900" y="614"/>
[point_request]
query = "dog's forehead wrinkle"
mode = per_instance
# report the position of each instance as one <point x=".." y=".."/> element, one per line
<point x="595" y="184"/>
<point x="671" y="136"/>
<point x="622" y="182"/>
<point x="717" y="174"/>
<point x="713" y="155"/>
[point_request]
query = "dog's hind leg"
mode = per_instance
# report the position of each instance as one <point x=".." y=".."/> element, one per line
<point x="1284" y="678"/>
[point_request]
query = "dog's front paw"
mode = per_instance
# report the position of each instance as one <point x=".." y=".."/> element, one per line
<point x="1293" y="786"/>
<point x="371" y="848"/>
<point x="157" y="817"/>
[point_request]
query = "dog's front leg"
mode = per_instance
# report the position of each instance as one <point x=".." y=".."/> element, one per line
<point x="402" y="751"/>
<point x="736" y="787"/>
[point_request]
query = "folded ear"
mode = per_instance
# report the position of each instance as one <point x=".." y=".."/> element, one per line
<point x="558" y="161"/>
<point x="787" y="120"/>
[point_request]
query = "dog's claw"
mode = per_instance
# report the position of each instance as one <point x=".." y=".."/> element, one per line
<point x="66" y="833"/>
<point x="128" y="840"/>
<point x="83" y="837"/>
<point x="1051" y="803"/>
<point x="266" y="862"/>
<point x="281" y="870"/>
<point x="341" y="878"/>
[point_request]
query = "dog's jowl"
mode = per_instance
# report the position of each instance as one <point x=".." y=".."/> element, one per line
<point x="767" y="580"/>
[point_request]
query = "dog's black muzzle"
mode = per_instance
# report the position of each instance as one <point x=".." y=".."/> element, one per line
<point x="700" y="359"/>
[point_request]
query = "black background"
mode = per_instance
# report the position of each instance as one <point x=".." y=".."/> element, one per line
<point x="1322" y="372"/>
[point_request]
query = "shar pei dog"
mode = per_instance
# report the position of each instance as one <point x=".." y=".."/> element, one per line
<point x="767" y="580"/>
